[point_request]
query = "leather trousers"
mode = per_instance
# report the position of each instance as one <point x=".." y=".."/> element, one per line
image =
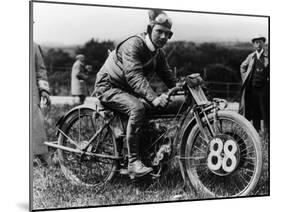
<point x="136" y="109"/>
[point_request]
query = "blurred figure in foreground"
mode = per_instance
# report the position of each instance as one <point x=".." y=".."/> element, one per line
<point x="40" y="99"/>
<point x="255" y="85"/>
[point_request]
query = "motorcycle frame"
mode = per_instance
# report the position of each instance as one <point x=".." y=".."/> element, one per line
<point x="197" y="110"/>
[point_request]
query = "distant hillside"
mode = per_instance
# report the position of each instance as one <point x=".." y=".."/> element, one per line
<point x="215" y="61"/>
<point x="70" y="49"/>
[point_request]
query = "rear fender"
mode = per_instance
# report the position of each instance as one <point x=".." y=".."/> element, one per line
<point x="90" y="103"/>
<point x="116" y="124"/>
<point x="66" y="115"/>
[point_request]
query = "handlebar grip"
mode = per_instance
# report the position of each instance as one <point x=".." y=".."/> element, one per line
<point x="173" y="91"/>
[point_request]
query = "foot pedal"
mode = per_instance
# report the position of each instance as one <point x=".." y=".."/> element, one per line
<point x="124" y="171"/>
<point x="132" y="176"/>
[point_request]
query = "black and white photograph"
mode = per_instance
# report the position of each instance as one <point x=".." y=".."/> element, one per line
<point x="139" y="105"/>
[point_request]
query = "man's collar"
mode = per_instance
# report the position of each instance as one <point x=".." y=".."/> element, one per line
<point x="258" y="54"/>
<point x="149" y="44"/>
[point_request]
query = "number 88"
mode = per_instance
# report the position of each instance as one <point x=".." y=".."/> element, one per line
<point x="216" y="159"/>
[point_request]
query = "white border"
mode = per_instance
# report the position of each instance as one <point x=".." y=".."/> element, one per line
<point x="14" y="104"/>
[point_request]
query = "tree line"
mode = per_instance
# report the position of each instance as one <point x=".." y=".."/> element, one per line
<point x="218" y="63"/>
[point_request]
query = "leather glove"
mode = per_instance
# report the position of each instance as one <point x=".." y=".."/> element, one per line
<point x="45" y="100"/>
<point x="161" y="100"/>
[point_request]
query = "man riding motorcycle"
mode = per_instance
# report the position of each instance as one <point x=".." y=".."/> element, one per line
<point x="122" y="83"/>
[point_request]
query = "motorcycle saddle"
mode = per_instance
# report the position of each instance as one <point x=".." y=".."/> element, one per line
<point x="95" y="103"/>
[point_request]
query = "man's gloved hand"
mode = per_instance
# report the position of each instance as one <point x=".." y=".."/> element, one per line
<point x="45" y="100"/>
<point x="161" y="100"/>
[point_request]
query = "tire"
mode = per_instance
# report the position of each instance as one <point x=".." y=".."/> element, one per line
<point x="88" y="171"/>
<point x="239" y="171"/>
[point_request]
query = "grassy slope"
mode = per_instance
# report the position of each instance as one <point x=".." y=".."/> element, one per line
<point x="52" y="190"/>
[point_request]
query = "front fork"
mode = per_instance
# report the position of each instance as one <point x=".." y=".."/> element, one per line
<point x="200" y="114"/>
<point x="223" y="154"/>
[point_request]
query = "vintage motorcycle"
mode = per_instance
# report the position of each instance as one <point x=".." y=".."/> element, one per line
<point x="217" y="150"/>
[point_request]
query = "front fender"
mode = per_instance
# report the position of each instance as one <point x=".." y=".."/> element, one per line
<point x="186" y="127"/>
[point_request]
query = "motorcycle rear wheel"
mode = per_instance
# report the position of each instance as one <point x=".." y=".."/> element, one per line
<point x="85" y="170"/>
<point x="243" y="178"/>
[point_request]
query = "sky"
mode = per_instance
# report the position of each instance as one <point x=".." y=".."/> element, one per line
<point x="75" y="24"/>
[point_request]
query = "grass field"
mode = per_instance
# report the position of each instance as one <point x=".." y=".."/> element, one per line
<point x="52" y="190"/>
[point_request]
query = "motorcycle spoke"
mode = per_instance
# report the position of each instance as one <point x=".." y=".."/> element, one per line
<point x="252" y="153"/>
<point x="200" y="150"/>
<point x="244" y="180"/>
<point x="248" y="162"/>
<point x="248" y="159"/>
<point x="200" y="167"/>
<point x="194" y="158"/>
<point x="203" y="139"/>
<point x="248" y="170"/>
<point x="245" y="150"/>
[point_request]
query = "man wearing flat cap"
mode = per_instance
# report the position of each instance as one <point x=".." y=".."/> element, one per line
<point x="255" y="85"/>
<point x="123" y="83"/>
<point x="78" y="78"/>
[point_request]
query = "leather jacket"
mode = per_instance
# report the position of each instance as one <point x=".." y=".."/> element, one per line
<point x="130" y="66"/>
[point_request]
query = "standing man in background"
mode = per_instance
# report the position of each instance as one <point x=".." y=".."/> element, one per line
<point x="255" y="85"/>
<point x="40" y="98"/>
<point x="78" y="78"/>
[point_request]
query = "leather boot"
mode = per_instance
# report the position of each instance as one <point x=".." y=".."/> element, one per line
<point x="135" y="167"/>
<point x="138" y="169"/>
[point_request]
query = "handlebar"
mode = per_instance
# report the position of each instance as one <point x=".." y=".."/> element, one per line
<point x="191" y="81"/>
<point x="173" y="90"/>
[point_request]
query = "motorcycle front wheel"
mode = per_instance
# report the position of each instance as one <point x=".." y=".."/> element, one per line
<point x="227" y="164"/>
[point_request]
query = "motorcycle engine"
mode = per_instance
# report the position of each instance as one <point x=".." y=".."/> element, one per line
<point x="163" y="152"/>
<point x="158" y="141"/>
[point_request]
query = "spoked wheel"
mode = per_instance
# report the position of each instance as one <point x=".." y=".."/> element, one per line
<point x="228" y="164"/>
<point x="86" y="170"/>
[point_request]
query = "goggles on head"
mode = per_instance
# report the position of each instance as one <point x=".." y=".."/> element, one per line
<point x="164" y="20"/>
